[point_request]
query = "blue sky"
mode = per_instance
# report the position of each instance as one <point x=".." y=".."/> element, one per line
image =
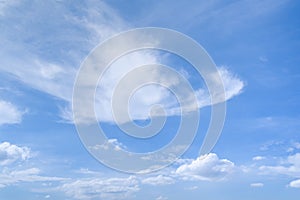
<point x="255" y="45"/>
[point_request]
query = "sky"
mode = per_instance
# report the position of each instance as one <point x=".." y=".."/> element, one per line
<point x="255" y="46"/>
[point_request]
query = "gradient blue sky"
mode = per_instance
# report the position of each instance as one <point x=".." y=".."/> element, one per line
<point x="255" y="45"/>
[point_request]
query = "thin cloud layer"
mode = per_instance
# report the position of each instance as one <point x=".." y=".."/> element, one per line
<point x="9" y="113"/>
<point x="54" y="72"/>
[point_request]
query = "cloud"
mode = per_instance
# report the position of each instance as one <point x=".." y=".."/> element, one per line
<point x="206" y="167"/>
<point x="141" y="102"/>
<point x="110" y="144"/>
<point x="295" y="146"/>
<point x="256" y="185"/>
<point x="232" y="83"/>
<point x="10" y="153"/>
<point x="5" y="4"/>
<point x="101" y="188"/>
<point x="47" y="57"/>
<point x="295" y="184"/>
<point x="12" y="177"/>
<point x="263" y="59"/>
<point x="54" y="71"/>
<point x="158" y="180"/>
<point x="290" y="167"/>
<point x="258" y="158"/>
<point x="161" y="198"/>
<point x="192" y="188"/>
<point x="12" y="158"/>
<point x="9" y="113"/>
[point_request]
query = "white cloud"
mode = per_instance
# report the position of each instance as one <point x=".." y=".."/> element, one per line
<point x="158" y="180"/>
<point x="290" y="167"/>
<point x="258" y="158"/>
<point x="101" y="188"/>
<point x="232" y="83"/>
<point x="256" y="185"/>
<point x="233" y="86"/>
<point x="56" y="74"/>
<point x="10" y="153"/>
<point x="12" y="158"/>
<point x="161" y="198"/>
<point x="11" y="177"/>
<point x="110" y="144"/>
<point x="9" y="113"/>
<point x="52" y="68"/>
<point x="206" y="167"/>
<point x="295" y="184"/>
<point x="143" y="99"/>
<point x="192" y="188"/>
<point x="295" y="145"/>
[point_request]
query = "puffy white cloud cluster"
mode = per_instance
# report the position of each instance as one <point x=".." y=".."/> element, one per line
<point x="206" y="167"/>
<point x="10" y="153"/>
<point x="101" y="188"/>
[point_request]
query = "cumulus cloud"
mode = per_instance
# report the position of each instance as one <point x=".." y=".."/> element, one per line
<point x="101" y="188"/>
<point x="290" y="167"/>
<point x="9" y="113"/>
<point x="158" y="180"/>
<point x="10" y="177"/>
<point x="206" y="167"/>
<point x="10" y="153"/>
<point x="295" y="184"/>
<point x="258" y="158"/>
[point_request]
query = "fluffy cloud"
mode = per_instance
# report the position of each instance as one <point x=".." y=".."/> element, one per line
<point x="290" y="167"/>
<point x="158" y="180"/>
<point x="9" y="113"/>
<point x="10" y="153"/>
<point x="258" y="158"/>
<point x="295" y="184"/>
<point x="100" y="188"/>
<point x="206" y="167"/>
<point x="10" y="177"/>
